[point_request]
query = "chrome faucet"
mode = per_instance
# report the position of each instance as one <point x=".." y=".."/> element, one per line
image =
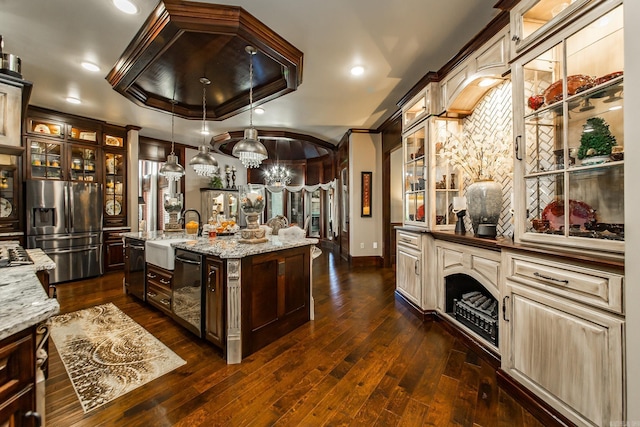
<point x="184" y="216"/>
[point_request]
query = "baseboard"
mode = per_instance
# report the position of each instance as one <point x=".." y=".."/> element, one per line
<point x="540" y="409"/>
<point x="423" y="315"/>
<point x="366" y="261"/>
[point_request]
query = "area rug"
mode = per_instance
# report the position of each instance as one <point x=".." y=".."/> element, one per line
<point x="107" y="354"/>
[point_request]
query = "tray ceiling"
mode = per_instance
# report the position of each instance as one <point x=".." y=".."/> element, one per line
<point x="181" y="41"/>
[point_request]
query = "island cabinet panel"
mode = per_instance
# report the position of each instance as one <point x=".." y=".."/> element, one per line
<point x="17" y="379"/>
<point x="215" y="299"/>
<point x="275" y="296"/>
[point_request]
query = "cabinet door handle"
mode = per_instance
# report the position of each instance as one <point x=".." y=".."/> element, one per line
<point x="212" y="274"/>
<point x="36" y="417"/>
<point x="504" y="308"/>
<point x="416" y="267"/>
<point x="165" y="282"/>
<point x="516" y="147"/>
<point x="553" y="279"/>
<point x="515" y="38"/>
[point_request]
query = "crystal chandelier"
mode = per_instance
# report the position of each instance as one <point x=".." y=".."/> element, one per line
<point x="249" y="150"/>
<point x="171" y="169"/>
<point x="277" y="176"/>
<point x="204" y="163"/>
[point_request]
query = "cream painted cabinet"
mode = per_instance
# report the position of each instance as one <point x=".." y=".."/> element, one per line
<point x="532" y="19"/>
<point x="562" y="334"/>
<point x="461" y="89"/>
<point x="409" y="266"/>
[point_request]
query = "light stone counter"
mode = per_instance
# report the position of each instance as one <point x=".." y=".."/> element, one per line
<point x="23" y="300"/>
<point x="224" y="247"/>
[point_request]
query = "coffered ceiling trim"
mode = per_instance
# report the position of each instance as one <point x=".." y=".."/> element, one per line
<point x="182" y="41"/>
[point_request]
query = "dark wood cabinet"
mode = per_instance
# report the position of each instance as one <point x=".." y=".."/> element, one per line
<point x="275" y="296"/>
<point x="159" y="288"/>
<point x="61" y="146"/>
<point x="17" y="380"/>
<point x="10" y="196"/>
<point x="215" y="302"/>
<point x="113" y="250"/>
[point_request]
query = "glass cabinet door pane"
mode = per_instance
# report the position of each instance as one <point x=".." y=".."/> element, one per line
<point x="545" y="13"/>
<point x="543" y="137"/>
<point x="46" y="162"/>
<point x="415" y="145"/>
<point x="545" y="204"/>
<point x="596" y="202"/>
<point x="83" y="164"/>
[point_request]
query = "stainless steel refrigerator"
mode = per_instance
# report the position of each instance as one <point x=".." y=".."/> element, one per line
<point x="64" y="219"/>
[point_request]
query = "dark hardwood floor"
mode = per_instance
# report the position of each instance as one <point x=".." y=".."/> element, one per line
<point x="365" y="360"/>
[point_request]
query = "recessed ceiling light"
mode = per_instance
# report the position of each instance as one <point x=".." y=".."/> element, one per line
<point x="259" y="110"/>
<point x="90" y="66"/>
<point x="487" y="82"/>
<point x="72" y="100"/>
<point x="126" y="6"/>
<point x="358" y="70"/>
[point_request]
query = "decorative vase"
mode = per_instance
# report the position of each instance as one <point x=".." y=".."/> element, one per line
<point x="252" y="204"/>
<point x="484" y="203"/>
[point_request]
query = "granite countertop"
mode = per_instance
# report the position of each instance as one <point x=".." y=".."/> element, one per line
<point x="223" y="246"/>
<point x="23" y="300"/>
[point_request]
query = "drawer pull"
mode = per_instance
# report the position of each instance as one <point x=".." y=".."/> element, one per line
<point x="165" y="301"/>
<point x="151" y="276"/>
<point x="504" y="308"/>
<point x="406" y="241"/>
<point x="553" y="279"/>
<point x="151" y="294"/>
<point x="165" y="282"/>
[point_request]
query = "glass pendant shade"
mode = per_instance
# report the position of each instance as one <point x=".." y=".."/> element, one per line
<point x="204" y="163"/>
<point x="171" y="169"/>
<point x="249" y="150"/>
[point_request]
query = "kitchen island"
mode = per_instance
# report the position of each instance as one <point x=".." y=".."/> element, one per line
<point x="250" y="294"/>
<point x="24" y="309"/>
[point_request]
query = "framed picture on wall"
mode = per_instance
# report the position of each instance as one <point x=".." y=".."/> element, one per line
<point x="366" y="194"/>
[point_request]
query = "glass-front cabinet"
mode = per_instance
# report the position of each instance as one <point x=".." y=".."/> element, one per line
<point x="114" y="187"/>
<point x="446" y="178"/>
<point x="415" y="175"/>
<point x="45" y="159"/>
<point x="82" y="166"/>
<point x="531" y="19"/>
<point x="570" y="152"/>
<point x="9" y="192"/>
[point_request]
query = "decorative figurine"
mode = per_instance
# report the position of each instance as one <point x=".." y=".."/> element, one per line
<point x="227" y="172"/>
<point x="460" y="209"/>
<point x="233" y="176"/>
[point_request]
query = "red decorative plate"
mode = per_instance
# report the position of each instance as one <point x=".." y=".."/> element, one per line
<point x="608" y="77"/>
<point x="575" y="84"/>
<point x="580" y="214"/>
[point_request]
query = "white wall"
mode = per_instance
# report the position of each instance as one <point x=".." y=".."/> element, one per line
<point x="365" y="155"/>
<point x="396" y="185"/>
<point x="632" y="206"/>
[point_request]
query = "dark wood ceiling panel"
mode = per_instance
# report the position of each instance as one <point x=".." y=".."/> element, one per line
<point x="280" y="145"/>
<point x="183" y="41"/>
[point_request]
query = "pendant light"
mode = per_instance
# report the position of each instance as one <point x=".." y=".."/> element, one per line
<point x="249" y="150"/>
<point x="171" y="169"/>
<point x="204" y="163"/>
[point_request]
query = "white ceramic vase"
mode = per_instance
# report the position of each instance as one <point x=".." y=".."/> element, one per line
<point x="484" y="203"/>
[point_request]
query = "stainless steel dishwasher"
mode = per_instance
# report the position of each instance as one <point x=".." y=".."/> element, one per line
<point x="187" y="303"/>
